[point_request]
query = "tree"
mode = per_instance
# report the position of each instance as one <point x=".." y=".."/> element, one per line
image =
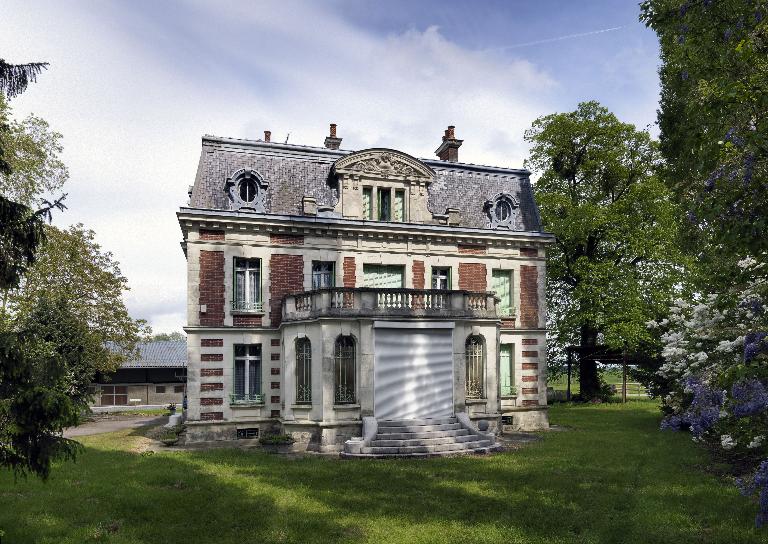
<point x="615" y="263"/>
<point x="164" y="336"/>
<point x="71" y="266"/>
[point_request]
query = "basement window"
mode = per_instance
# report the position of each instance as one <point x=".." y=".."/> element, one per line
<point x="252" y="432"/>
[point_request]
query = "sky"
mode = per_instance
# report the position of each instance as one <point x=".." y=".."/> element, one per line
<point x="133" y="86"/>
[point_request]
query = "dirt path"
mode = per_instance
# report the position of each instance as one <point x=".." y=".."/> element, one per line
<point x="108" y="425"/>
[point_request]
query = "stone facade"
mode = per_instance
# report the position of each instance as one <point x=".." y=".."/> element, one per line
<point x="376" y="219"/>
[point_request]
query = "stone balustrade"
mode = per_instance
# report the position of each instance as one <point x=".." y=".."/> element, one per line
<point x="375" y="302"/>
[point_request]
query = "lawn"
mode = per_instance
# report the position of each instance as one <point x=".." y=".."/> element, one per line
<point x="612" y="476"/>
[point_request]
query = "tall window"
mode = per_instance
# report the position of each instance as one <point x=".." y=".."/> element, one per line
<point x="303" y="371"/>
<point x="398" y="210"/>
<point x="385" y="204"/>
<point x="441" y="278"/>
<point x="322" y="274"/>
<point x="247" y="296"/>
<point x="247" y="375"/>
<point x="501" y="284"/>
<point x="383" y="276"/>
<point x="367" y="203"/>
<point x="344" y="370"/>
<point x="475" y="362"/>
<point x="507" y="370"/>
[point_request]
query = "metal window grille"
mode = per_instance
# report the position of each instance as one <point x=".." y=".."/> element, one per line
<point x="506" y="370"/>
<point x="344" y="370"/>
<point x="303" y="371"/>
<point x="247" y="375"/>
<point x="247" y="295"/>
<point x="322" y="274"/>
<point x="475" y="362"/>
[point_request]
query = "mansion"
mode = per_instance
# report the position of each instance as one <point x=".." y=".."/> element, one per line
<point x="332" y="293"/>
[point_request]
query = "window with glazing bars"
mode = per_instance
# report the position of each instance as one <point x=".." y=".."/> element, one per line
<point x="507" y="370"/>
<point x="322" y="274"/>
<point x="303" y="371"/>
<point x="385" y="204"/>
<point x="247" y="375"/>
<point x="398" y="210"/>
<point x="367" y="203"/>
<point x="501" y="284"/>
<point x="475" y="362"/>
<point x="344" y="370"/>
<point x="247" y="285"/>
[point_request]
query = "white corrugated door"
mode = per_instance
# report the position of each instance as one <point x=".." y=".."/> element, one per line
<point x="413" y="371"/>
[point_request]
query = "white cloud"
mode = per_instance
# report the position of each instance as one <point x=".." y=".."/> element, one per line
<point x="132" y="92"/>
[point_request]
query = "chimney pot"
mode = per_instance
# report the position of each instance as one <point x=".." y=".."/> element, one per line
<point x="449" y="148"/>
<point x="267" y="135"/>
<point x="333" y="130"/>
<point x="451" y="131"/>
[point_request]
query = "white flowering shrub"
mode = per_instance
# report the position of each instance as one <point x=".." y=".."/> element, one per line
<point x="715" y="353"/>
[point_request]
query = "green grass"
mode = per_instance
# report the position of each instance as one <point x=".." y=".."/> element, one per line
<point x="612" y="476"/>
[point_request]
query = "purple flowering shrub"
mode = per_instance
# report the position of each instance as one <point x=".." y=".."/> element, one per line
<point x="716" y="354"/>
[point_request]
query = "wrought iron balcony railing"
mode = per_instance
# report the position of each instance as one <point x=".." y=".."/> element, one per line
<point x="374" y="302"/>
<point x="245" y="306"/>
<point x="247" y="398"/>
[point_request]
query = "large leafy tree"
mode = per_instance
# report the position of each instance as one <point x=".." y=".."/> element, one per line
<point x="615" y="263"/>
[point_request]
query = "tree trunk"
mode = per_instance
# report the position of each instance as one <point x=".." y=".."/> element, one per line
<point x="589" y="382"/>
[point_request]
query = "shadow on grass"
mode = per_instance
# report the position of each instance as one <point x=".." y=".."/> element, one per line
<point x="614" y="478"/>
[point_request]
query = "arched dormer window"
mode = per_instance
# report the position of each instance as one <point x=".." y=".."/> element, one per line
<point x="502" y="211"/>
<point x="246" y="190"/>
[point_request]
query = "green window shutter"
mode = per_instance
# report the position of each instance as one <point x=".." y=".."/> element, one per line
<point x="507" y="370"/>
<point x="367" y="197"/>
<point x="383" y="276"/>
<point x="501" y="284"/>
<point x="399" y="208"/>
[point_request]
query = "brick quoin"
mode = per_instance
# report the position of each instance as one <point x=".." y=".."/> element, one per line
<point x="530" y="341"/>
<point x="211" y="342"/>
<point x="530" y="366"/>
<point x="466" y="249"/>
<point x="274" y="356"/>
<point x="529" y="252"/>
<point x="275" y="399"/>
<point x="209" y="234"/>
<point x="274" y="342"/>
<point x="211" y="386"/>
<point x="349" y="272"/>
<point x="472" y="277"/>
<point x="533" y="378"/>
<point x="508" y="323"/>
<point x="275" y="385"/>
<point x="286" y="276"/>
<point x="530" y="353"/>
<point x="247" y="320"/>
<point x="208" y="372"/>
<point x="210" y="416"/>
<point x="418" y="274"/>
<point x="530" y="390"/>
<point x="530" y="402"/>
<point x="529" y="297"/>
<point x="286" y="239"/>
<point x="207" y="401"/>
<point x="212" y="288"/>
<point x="275" y="413"/>
<point x="274" y="371"/>
<point x="211" y="357"/>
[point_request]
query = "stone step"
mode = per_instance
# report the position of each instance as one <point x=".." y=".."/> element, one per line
<point x="384" y="429"/>
<point x="423" y="441"/>
<point x="443" y="448"/>
<point x="476" y="451"/>
<point x="410" y="422"/>
<point x="424" y="434"/>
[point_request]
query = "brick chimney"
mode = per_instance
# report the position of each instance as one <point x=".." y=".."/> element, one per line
<point x="332" y="142"/>
<point x="449" y="149"/>
<point x="267" y="136"/>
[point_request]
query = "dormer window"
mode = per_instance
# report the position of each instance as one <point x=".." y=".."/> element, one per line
<point x="503" y="211"/>
<point x="247" y="190"/>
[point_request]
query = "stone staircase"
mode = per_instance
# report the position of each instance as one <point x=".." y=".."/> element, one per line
<point x="420" y="438"/>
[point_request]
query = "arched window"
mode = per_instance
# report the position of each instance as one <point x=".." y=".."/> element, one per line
<point x="344" y="370"/>
<point x="303" y="371"/>
<point x="475" y="363"/>
<point x="247" y="189"/>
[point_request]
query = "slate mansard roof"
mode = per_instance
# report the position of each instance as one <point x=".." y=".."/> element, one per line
<point x="160" y="354"/>
<point x="294" y="171"/>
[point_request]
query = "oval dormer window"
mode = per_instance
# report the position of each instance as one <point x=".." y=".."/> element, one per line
<point x="503" y="210"/>
<point x="247" y="189"/>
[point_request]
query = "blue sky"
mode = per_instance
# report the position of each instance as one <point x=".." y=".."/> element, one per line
<point x="133" y="85"/>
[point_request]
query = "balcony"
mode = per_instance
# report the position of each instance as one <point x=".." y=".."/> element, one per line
<point x="241" y="306"/>
<point x="373" y="302"/>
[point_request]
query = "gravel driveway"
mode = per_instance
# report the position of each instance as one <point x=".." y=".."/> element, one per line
<point x="110" y="424"/>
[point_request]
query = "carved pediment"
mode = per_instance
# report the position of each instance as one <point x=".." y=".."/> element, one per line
<point x="384" y="164"/>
